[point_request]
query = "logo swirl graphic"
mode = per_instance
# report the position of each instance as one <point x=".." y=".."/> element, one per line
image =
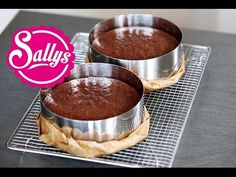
<point x="41" y="56"/>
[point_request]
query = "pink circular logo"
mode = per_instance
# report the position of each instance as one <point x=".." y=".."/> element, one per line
<point x="41" y="56"/>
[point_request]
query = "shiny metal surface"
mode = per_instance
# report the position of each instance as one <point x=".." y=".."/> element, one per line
<point x="108" y="129"/>
<point x="149" y="69"/>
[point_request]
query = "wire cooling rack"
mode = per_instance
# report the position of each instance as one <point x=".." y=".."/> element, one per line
<point x="169" y="109"/>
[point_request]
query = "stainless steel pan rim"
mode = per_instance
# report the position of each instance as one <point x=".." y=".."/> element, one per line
<point x="100" y="130"/>
<point x="155" y="58"/>
<point x="151" y="68"/>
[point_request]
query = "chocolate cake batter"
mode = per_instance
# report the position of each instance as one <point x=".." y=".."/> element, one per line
<point x="92" y="98"/>
<point x="135" y="43"/>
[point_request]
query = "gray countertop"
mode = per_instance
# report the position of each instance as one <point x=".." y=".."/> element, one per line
<point x="209" y="138"/>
